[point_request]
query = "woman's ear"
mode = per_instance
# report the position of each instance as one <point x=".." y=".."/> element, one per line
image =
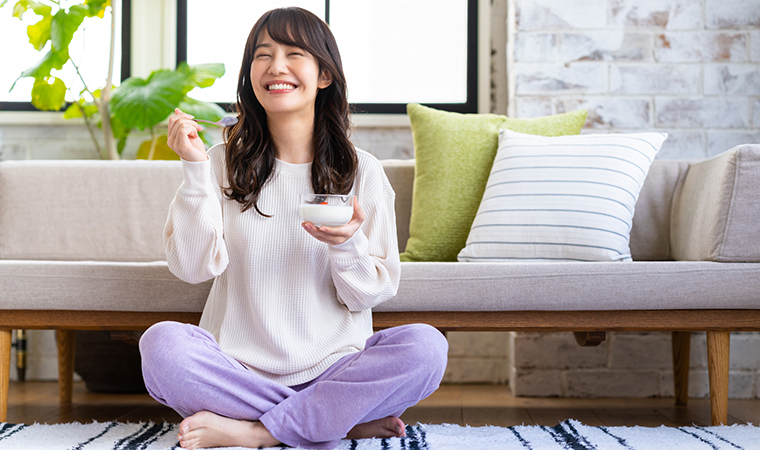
<point x="325" y="79"/>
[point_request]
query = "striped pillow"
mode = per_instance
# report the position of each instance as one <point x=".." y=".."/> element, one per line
<point x="567" y="198"/>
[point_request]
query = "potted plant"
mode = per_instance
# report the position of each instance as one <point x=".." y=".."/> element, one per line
<point x="137" y="104"/>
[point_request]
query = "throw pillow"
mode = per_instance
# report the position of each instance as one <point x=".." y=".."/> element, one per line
<point x="568" y="198"/>
<point x="453" y="156"/>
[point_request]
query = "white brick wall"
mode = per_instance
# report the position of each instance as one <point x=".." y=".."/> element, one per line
<point x="625" y="365"/>
<point x="690" y="68"/>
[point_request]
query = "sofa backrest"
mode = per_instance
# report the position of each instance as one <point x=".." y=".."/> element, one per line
<point x="116" y="210"/>
<point x="85" y="209"/>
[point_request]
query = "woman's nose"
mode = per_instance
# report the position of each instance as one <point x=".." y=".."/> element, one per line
<point x="278" y="66"/>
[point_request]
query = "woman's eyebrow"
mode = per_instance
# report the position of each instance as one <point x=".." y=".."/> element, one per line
<point x="262" y="45"/>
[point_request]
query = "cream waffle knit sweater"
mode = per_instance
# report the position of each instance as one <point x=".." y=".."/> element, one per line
<point x="284" y="304"/>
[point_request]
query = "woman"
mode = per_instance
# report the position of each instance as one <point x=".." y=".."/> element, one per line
<point x="285" y="352"/>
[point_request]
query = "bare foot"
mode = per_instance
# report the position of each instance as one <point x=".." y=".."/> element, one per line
<point x="206" y="429"/>
<point x="380" y="428"/>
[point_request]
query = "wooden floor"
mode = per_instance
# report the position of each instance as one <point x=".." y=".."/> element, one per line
<point x="473" y="405"/>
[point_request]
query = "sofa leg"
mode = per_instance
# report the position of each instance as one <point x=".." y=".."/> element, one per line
<point x="5" y="372"/>
<point x="589" y="338"/>
<point x="65" y="341"/>
<point x="681" y="341"/>
<point x="718" y="347"/>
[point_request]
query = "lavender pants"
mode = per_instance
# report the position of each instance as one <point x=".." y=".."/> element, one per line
<point x="185" y="369"/>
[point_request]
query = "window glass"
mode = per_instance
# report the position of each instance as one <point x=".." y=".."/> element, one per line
<point x="397" y="51"/>
<point x="394" y="51"/>
<point x="218" y="34"/>
<point x="89" y="49"/>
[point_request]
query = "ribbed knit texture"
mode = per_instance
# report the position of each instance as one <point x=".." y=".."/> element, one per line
<point x="283" y="303"/>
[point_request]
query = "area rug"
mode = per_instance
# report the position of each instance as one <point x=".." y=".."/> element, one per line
<point x="568" y="435"/>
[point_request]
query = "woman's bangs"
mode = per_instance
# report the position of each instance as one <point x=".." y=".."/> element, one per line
<point x="288" y="27"/>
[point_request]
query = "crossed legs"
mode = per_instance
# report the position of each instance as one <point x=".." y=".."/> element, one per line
<point x="362" y="395"/>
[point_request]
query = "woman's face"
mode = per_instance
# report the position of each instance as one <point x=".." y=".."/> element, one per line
<point x="285" y="79"/>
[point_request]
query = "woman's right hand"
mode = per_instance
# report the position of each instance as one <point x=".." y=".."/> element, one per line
<point x="183" y="137"/>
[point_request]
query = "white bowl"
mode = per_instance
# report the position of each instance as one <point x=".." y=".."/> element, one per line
<point x="326" y="210"/>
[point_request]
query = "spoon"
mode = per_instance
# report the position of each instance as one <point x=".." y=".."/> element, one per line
<point x="227" y="121"/>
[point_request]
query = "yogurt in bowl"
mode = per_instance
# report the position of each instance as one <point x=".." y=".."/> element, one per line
<point x="326" y="210"/>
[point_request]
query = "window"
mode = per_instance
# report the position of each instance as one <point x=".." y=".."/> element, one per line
<point x="89" y="48"/>
<point x="394" y="51"/>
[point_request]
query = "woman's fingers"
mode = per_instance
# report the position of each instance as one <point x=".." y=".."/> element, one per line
<point x="359" y="214"/>
<point x="183" y="136"/>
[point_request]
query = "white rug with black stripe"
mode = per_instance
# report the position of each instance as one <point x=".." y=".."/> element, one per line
<point x="568" y="435"/>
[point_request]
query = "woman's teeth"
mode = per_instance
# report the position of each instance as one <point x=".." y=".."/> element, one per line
<point x="280" y="86"/>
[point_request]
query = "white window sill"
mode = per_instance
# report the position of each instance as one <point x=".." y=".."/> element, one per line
<point x="56" y="118"/>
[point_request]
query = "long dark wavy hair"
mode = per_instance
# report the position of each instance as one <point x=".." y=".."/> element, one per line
<point x="250" y="154"/>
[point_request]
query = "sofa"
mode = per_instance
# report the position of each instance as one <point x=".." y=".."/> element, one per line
<point x="81" y="249"/>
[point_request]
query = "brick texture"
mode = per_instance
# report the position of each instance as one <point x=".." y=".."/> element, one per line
<point x="732" y="79"/>
<point x="610" y="111"/>
<point x="726" y="14"/>
<point x="550" y="14"/>
<point x="625" y="365"/>
<point x="670" y="14"/>
<point x="690" y="68"/>
<point x="701" y="112"/>
<point x="648" y="79"/>
<point x="578" y="78"/>
<point x="700" y="46"/>
<point x="607" y="45"/>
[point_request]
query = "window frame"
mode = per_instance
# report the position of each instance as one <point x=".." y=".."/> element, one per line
<point x="126" y="47"/>
<point x="473" y="83"/>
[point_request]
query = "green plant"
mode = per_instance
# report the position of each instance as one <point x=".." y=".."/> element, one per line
<point x="136" y="104"/>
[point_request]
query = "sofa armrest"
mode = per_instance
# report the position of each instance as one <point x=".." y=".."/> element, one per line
<point x="716" y="212"/>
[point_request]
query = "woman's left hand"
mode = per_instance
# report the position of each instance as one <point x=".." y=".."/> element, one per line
<point x="338" y="235"/>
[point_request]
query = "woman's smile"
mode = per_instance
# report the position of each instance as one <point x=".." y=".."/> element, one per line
<point x="280" y="87"/>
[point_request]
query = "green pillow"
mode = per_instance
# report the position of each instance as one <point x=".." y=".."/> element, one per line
<point x="453" y="156"/>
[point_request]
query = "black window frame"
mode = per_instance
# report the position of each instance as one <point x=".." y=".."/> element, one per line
<point x="469" y="106"/>
<point x="126" y="70"/>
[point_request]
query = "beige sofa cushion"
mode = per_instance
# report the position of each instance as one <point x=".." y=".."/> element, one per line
<point x="716" y="213"/>
<point x="588" y="286"/>
<point x="425" y="286"/>
<point x="85" y="210"/>
<point x="650" y="233"/>
<point x="97" y="286"/>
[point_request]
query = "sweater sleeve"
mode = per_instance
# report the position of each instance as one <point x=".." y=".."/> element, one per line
<point x="193" y="234"/>
<point x="366" y="268"/>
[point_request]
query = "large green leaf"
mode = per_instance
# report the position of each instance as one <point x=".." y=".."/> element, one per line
<point x="200" y="75"/>
<point x="53" y="59"/>
<point x="39" y="33"/>
<point x="118" y="129"/>
<point x="141" y="104"/>
<point x="47" y="96"/>
<point x="64" y="26"/>
<point x="201" y="110"/>
<point x="23" y="6"/>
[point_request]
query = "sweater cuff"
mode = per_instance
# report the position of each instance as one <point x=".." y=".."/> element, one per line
<point x="356" y="246"/>
<point x="197" y="177"/>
